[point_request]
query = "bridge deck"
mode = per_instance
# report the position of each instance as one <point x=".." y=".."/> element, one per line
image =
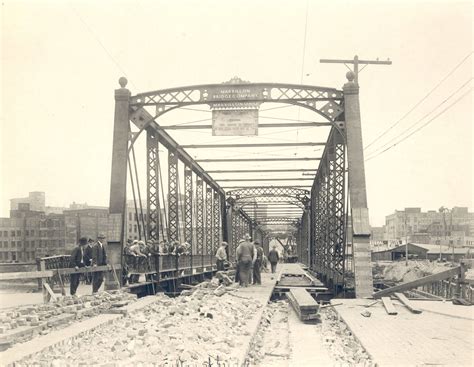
<point x="441" y="335"/>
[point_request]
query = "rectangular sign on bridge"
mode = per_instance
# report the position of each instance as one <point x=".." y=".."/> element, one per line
<point x="235" y="122"/>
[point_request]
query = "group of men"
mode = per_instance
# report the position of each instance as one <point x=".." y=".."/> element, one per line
<point x="88" y="253"/>
<point x="250" y="260"/>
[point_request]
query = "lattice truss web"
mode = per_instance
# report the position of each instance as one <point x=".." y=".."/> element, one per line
<point x="287" y="176"/>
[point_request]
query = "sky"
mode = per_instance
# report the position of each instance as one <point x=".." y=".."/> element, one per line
<point x="61" y="61"/>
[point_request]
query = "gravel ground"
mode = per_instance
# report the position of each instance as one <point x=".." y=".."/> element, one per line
<point x="189" y="330"/>
<point x="271" y="346"/>
<point x="343" y="347"/>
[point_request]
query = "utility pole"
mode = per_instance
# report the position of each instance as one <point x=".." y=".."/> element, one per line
<point x="356" y="62"/>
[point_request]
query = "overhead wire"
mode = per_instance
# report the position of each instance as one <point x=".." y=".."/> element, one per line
<point x="421" y="100"/>
<point x="424" y="116"/>
<point x="424" y="125"/>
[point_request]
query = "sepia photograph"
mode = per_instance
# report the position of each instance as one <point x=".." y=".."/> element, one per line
<point x="236" y="183"/>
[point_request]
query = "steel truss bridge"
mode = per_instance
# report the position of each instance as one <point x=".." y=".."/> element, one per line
<point x="324" y="216"/>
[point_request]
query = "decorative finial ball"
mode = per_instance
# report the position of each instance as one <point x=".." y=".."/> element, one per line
<point x="123" y="82"/>
<point x="350" y="76"/>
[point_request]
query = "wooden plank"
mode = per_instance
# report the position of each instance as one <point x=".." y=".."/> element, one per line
<point x="93" y="269"/>
<point x="389" y="307"/>
<point x="419" y="282"/>
<point x="304" y="299"/>
<point x="26" y="275"/>
<point x="50" y="291"/>
<point x="403" y="299"/>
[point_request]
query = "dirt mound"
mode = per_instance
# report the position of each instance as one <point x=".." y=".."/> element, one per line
<point x="398" y="271"/>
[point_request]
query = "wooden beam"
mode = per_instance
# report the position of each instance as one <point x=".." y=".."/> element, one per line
<point x="447" y="274"/>
<point x="403" y="299"/>
<point x="93" y="269"/>
<point x="27" y="275"/>
<point x="389" y="307"/>
<point x="50" y="292"/>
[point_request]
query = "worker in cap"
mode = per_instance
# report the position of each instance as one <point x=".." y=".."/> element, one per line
<point x="257" y="263"/>
<point x="77" y="260"/>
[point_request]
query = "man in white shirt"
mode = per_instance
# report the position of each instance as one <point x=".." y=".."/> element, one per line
<point x="221" y="256"/>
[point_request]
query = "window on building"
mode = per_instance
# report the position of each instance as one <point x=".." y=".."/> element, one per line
<point x="5" y="233"/>
<point x="1" y="255"/>
<point x="32" y="232"/>
<point x="130" y="216"/>
<point x="13" y="255"/>
<point x="18" y="233"/>
<point x="130" y="228"/>
<point x="12" y="233"/>
<point x="135" y="229"/>
<point x="1" y="234"/>
<point x="27" y="232"/>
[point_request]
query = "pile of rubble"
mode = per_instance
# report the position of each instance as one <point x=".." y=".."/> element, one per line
<point x="205" y="324"/>
<point x="398" y="271"/>
<point x="344" y="348"/>
<point x="23" y="323"/>
<point x="270" y="346"/>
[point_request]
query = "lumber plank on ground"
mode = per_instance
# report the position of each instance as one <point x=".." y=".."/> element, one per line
<point x="304" y="299"/>
<point x="389" y="307"/>
<point x="50" y="291"/>
<point x="419" y="282"/>
<point x="404" y="300"/>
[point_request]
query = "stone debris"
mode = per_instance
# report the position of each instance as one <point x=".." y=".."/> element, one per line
<point x="342" y="345"/>
<point x="23" y="323"/>
<point x="184" y="331"/>
<point x="271" y="346"/>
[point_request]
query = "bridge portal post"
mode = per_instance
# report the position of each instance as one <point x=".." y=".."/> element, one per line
<point x="118" y="181"/>
<point x="357" y="190"/>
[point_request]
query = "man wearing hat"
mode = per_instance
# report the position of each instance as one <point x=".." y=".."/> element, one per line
<point x="245" y="253"/>
<point x="99" y="258"/>
<point x="273" y="257"/>
<point x="221" y="256"/>
<point x="77" y="260"/>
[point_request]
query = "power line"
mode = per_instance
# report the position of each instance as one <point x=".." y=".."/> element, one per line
<point x="425" y="116"/>
<point x="102" y="46"/>
<point x="422" y="126"/>
<point x="421" y="100"/>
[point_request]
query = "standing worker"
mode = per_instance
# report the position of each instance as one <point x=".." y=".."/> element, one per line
<point x="221" y="256"/>
<point x="257" y="265"/>
<point x="99" y="258"/>
<point x="273" y="257"/>
<point x="245" y="253"/>
<point x="77" y="260"/>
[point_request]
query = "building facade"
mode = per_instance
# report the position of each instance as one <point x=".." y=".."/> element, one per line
<point x="445" y="226"/>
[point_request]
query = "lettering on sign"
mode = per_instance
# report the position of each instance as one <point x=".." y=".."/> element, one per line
<point x="235" y="122"/>
<point x="234" y="94"/>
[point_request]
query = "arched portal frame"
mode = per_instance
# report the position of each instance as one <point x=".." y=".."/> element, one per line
<point x="327" y="102"/>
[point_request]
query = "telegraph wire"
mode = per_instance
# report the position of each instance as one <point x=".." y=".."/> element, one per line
<point x="102" y="46"/>
<point x="422" y="126"/>
<point x="425" y="116"/>
<point x="421" y="100"/>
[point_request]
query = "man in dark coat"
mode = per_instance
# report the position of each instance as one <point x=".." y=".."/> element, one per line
<point x="77" y="260"/>
<point x="257" y="265"/>
<point x="273" y="257"/>
<point x="245" y="253"/>
<point x="99" y="258"/>
<point x="88" y="258"/>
